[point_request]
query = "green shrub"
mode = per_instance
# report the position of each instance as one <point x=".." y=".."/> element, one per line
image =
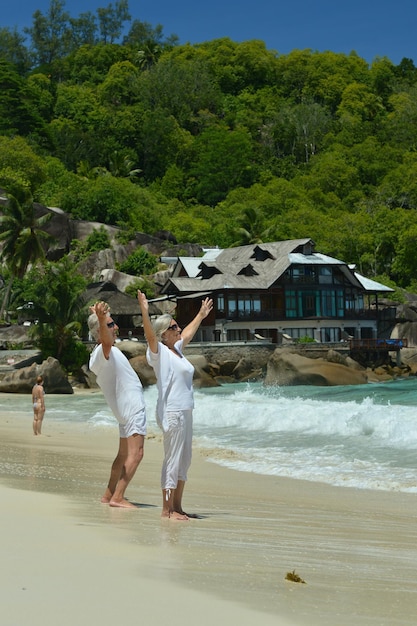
<point x="147" y="286"/>
<point x="139" y="263"/>
<point x="98" y="240"/>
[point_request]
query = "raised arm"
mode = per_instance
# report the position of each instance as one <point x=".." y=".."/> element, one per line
<point x="147" y="326"/>
<point x="102" y="310"/>
<point x="190" y="330"/>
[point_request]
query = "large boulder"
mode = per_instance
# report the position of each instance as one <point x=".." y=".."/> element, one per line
<point x="406" y="330"/>
<point x="15" y="335"/>
<point x="143" y="370"/>
<point x="202" y="372"/>
<point x="288" y="368"/>
<point x="22" y="380"/>
<point x="132" y="348"/>
<point x="58" y="227"/>
<point x="120" y="279"/>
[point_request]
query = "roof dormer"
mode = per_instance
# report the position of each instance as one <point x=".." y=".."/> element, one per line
<point x="259" y="254"/>
<point x="207" y="271"/>
<point x="249" y="270"/>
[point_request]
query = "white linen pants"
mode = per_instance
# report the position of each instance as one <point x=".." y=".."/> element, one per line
<point x="177" y="448"/>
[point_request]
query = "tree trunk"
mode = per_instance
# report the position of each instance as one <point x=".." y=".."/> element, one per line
<point x="6" y="298"/>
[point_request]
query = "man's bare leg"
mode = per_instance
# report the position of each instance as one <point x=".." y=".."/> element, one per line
<point x="116" y="471"/>
<point x="134" y="454"/>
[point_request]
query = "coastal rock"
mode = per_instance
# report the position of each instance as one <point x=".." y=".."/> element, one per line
<point x="143" y="370"/>
<point x="406" y="330"/>
<point x="409" y="359"/>
<point x="120" y="279"/>
<point x="87" y="378"/>
<point x="288" y="368"/>
<point x="14" y="335"/>
<point x="22" y="380"/>
<point x="131" y="349"/>
<point x="227" y="367"/>
<point x="333" y="356"/>
<point x="202" y="372"/>
<point x="242" y="368"/>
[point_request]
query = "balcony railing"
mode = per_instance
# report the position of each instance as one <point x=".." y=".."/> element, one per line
<point x="378" y="344"/>
<point x="275" y="315"/>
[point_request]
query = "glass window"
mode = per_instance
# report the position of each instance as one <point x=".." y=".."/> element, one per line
<point x="330" y="335"/>
<point x="231" y="305"/>
<point x="291" y="303"/>
<point x="296" y="333"/>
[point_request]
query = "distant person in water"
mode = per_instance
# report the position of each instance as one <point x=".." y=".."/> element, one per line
<point x="123" y="392"/>
<point x="38" y="403"/>
<point x="174" y="409"/>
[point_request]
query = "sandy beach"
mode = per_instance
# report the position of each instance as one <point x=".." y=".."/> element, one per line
<point x="68" y="559"/>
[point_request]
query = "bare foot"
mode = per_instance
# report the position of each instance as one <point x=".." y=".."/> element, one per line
<point x="107" y="496"/>
<point x="178" y="517"/>
<point x="122" y="504"/>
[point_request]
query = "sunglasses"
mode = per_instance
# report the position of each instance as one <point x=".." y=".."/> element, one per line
<point x="173" y="327"/>
<point x="111" y="324"/>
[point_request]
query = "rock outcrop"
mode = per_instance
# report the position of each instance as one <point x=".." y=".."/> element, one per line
<point x="15" y="335"/>
<point x="22" y="380"/>
<point x="286" y="367"/>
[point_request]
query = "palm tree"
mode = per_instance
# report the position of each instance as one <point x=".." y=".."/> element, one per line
<point x="251" y="227"/>
<point x="148" y="55"/>
<point x="122" y="166"/>
<point x="22" y="237"/>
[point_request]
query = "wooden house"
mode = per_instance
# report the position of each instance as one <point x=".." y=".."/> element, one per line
<point x="275" y="291"/>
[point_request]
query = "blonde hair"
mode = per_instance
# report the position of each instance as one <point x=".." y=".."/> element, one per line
<point x="161" y="324"/>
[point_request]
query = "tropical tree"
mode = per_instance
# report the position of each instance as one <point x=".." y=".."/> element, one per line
<point x="140" y="33"/>
<point x="18" y="157"/>
<point x="50" y="33"/>
<point x="111" y="20"/>
<point x="22" y="235"/>
<point x="56" y="291"/>
<point x="251" y="227"/>
<point x="122" y="166"/>
<point x="18" y="115"/>
<point x="83" y="30"/>
<point x="13" y="49"/>
<point x="223" y="160"/>
<point x="148" y="55"/>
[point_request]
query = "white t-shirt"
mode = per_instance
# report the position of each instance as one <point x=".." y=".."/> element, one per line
<point x="174" y="379"/>
<point x="119" y="383"/>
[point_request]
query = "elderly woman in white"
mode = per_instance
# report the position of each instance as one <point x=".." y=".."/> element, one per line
<point x="174" y="410"/>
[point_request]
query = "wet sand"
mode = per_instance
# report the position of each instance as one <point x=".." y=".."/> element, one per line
<point x="68" y="559"/>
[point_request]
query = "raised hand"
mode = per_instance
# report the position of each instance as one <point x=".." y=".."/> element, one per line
<point x="143" y="302"/>
<point x="206" y="307"/>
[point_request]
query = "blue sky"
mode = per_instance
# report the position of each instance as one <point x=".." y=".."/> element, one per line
<point x="370" y="28"/>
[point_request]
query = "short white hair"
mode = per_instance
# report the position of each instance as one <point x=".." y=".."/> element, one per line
<point x="161" y="324"/>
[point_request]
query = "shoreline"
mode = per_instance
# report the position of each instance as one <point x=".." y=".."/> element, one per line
<point x="356" y="549"/>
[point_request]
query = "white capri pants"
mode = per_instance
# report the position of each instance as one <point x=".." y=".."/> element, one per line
<point x="177" y="448"/>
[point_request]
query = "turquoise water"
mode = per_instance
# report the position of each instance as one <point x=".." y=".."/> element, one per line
<point x="362" y="436"/>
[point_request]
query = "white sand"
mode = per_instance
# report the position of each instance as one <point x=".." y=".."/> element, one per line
<point x="69" y="560"/>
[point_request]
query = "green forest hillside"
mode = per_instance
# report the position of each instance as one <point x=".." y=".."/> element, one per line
<point x="221" y="143"/>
